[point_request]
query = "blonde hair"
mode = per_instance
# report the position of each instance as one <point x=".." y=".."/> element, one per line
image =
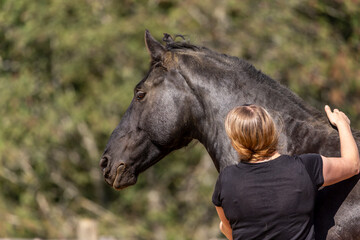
<point x="252" y="132"/>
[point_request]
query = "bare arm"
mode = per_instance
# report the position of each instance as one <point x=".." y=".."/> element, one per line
<point x="224" y="224"/>
<point x="338" y="169"/>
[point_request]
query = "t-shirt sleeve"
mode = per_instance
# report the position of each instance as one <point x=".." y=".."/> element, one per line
<point x="216" y="197"/>
<point x="314" y="166"/>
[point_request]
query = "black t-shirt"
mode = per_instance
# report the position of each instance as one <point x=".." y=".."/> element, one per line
<point x="271" y="200"/>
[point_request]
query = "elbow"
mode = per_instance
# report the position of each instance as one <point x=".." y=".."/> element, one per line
<point x="357" y="167"/>
<point x="357" y="170"/>
<point x="222" y="227"/>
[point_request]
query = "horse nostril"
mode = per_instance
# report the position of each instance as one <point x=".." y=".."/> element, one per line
<point x="121" y="165"/>
<point x="120" y="168"/>
<point x="104" y="162"/>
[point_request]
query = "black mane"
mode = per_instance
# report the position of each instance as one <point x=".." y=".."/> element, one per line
<point x="184" y="44"/>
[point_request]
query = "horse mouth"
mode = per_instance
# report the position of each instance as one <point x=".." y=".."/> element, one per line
<point x="123" y="178"/>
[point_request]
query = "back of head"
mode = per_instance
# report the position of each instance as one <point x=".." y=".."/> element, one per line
<point x="252" y="132"/>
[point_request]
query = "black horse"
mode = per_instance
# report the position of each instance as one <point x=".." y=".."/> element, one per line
<point x="186" y="95"/>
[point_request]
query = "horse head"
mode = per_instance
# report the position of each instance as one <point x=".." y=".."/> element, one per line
<point x="155" y="123"/>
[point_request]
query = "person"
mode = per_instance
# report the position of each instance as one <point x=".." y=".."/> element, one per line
<point x="271" y="196"/>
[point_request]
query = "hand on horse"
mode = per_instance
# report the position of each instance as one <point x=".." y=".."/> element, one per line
<point x="336" y="169"/>
<point x="337" y="117"/>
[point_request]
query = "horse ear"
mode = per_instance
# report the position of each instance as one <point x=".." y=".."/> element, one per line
<point x="155" y="48"/>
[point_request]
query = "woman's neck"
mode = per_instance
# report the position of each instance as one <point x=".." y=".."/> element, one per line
<point x="275" y="155"/>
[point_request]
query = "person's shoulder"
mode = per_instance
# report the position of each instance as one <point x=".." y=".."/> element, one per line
<point x="314" y="165"/>
<point x="229" y="168"/>
<point x="308" y="156"/>
<point x="229" y="171"/>
<point x="309" y="160"/>
<point x="284" y="158"/>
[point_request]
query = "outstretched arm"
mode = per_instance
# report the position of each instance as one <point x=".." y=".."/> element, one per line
<point x="338" y="169"/>
<point x="224" y="224"/>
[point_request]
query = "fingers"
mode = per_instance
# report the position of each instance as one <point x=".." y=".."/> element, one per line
<point x="346" y="118"/>
<point x="327" y="108"/>
<point x="336" y="115"/>
<point x="329" y="112"/>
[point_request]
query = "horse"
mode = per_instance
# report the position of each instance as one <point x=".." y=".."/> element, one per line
<point x="186" y="94"/>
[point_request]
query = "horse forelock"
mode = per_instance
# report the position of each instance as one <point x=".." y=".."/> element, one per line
<point x="182" y="45"/>
<point x="170" y="60"/>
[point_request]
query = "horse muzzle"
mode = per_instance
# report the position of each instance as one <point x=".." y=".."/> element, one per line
<point x="119" y="176"/>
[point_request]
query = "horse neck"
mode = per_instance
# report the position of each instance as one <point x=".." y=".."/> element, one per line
<point x="219" y="90"/>
<point x="208" y="118"/>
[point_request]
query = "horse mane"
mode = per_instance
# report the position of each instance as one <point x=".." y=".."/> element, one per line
<point x="184" y="44"/>
<point x="174" y="45"/>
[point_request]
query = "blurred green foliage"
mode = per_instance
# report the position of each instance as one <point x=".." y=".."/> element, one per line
<point x="67" y="72"/>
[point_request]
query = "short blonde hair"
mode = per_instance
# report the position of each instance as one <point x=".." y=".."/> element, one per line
<point x="252" y="132"/>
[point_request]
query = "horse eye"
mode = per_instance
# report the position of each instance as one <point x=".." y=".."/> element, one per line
<point x="140" y="95"/>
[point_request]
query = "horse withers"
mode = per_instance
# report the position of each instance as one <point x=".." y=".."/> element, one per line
<point x="186" y="95"/>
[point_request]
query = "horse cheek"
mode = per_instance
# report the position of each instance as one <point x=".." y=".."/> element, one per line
<point x="161" y="126"/>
